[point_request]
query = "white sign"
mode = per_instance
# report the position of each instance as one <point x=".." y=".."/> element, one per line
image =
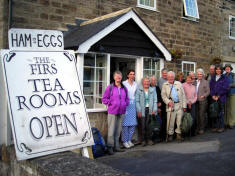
<point x="46" y="105"/>
<point x="34" y="39"/>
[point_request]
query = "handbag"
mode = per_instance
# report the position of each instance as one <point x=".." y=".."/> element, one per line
<point x="186" y="122"/>
<point x="155" y="123"/>
<point x="214" y="109"/>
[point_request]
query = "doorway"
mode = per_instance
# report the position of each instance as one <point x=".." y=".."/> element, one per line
<point x="123" y="65"/>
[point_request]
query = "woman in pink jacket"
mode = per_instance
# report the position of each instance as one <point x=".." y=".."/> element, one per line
<point x="116" y="98"/>
<point x="191" y="97"/>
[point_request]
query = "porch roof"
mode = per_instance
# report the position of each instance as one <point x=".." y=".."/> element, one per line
<point x="100" y="33"/>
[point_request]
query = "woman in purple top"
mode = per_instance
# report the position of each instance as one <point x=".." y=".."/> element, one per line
<point x="219" y="86"/>
<point x="116" y="98"/>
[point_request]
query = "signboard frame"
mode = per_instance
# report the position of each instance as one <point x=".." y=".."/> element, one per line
<point x="21" y="147"/>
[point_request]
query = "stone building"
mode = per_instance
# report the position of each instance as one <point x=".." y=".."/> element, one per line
<point x="193" y="31"/>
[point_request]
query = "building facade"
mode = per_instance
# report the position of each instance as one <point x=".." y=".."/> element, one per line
<point x="194" y="32"/>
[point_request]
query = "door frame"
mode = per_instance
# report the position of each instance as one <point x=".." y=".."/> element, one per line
<point x="138" y="65"/>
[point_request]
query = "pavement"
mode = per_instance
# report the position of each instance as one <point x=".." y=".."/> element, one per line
<point x="209" y="154"/>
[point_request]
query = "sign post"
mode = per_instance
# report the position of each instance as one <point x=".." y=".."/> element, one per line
<point x="46" y="104"/>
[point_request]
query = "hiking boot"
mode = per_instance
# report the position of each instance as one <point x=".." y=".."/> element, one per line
<point x="178" y="137"/>
<point x="117" y="149"/>
<point x="150" y="142"/>
<point x="143" y="143"/>
<point x="201" y="132"/>
<point x="126" y="145"/>
<point x="170" y="138"/>
<point x="110" y="151"/>
<point x="220" y="130"/>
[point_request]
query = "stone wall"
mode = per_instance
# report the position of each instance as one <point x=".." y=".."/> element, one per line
<point x="199" y="41"/>
<point x="99" y="121"/>
<point x="228" y="45"/>
<point x="61" y="164"/>
<point x="3" y="23"/>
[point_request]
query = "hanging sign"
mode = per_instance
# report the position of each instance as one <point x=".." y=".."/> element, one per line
<point x="46" y="104"/>
<point x="34" y="39"/>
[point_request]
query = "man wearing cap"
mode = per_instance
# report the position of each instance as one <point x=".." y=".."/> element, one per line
<point x="229" y="107"/>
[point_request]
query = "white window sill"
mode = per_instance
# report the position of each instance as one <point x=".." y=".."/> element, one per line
<point x="96" y="110"/>
<point x="191" y="19"/>
<point x="148" y="8"/>
<point x="232" y="38"/>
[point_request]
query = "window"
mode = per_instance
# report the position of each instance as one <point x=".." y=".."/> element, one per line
<point x="231" y="27"/>
<point x="94" y="79"/>
<point x="188" y="67"/>
<point x="147" y="4"/>
<point x="151" y="67"/>
<point x="191" y="9"/>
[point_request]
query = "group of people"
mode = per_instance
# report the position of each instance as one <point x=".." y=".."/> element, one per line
<point x="131" y="105"/>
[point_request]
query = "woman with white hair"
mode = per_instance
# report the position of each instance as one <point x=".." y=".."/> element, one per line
<point x="146" y="105"/>
<point x="203" y="91"/>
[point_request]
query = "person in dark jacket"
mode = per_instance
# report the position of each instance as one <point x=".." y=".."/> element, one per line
<point x="116" y="98"/>
<point x="161" y="113"/>
<point x="219" y="87"/>
<point x="229" y="109"/>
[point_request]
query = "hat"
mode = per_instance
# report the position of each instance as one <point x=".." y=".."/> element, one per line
<point x="228" y="65"/>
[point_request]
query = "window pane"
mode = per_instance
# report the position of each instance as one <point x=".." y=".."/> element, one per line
<point x="191" y="8"/>
<point x="89" y="102"/>
<point x="88" y="88"/>
<point x="152" y="3"/>
<point x="101" y="81"/>
<point x="157" y="74"/>
<point x="94" y="79"/>
<point x="142" y="2"/>
<point x="89" y="74"/>
<point x="100" y="60"/>
<point x="232" y="27"/>
<point x="151" y="67"/>
<point x="188" y="67"/>
<point x="148" y="3"/>
<point x="147" y="63"/>
<point x="89" y="59"/>
<point x="147" y="73"/>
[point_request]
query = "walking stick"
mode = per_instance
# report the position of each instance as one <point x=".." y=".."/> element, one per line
<point x="168" y="126"/>
<point x="170" y="113"/>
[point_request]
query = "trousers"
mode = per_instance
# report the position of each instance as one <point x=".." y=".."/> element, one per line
<point x="172" y="116"/>
<point x="114" y="130"/>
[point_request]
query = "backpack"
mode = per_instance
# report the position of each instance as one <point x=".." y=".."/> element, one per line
<point x="111" y="88"/>
<point x="99" y="148"/>
<point x="214" y="109"/>
<point x="186" y="123"/>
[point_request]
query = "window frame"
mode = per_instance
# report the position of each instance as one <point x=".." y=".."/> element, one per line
<point x="230" y="17"/>
<point x="151" y="69"/>
<point x="186" y="15"/>
<point x="104" y="109"/>
<point x="147" y="7"/>
<point x="188" y="62"/>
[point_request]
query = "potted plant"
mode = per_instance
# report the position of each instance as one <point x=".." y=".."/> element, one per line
<point x="176" y="54"/>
